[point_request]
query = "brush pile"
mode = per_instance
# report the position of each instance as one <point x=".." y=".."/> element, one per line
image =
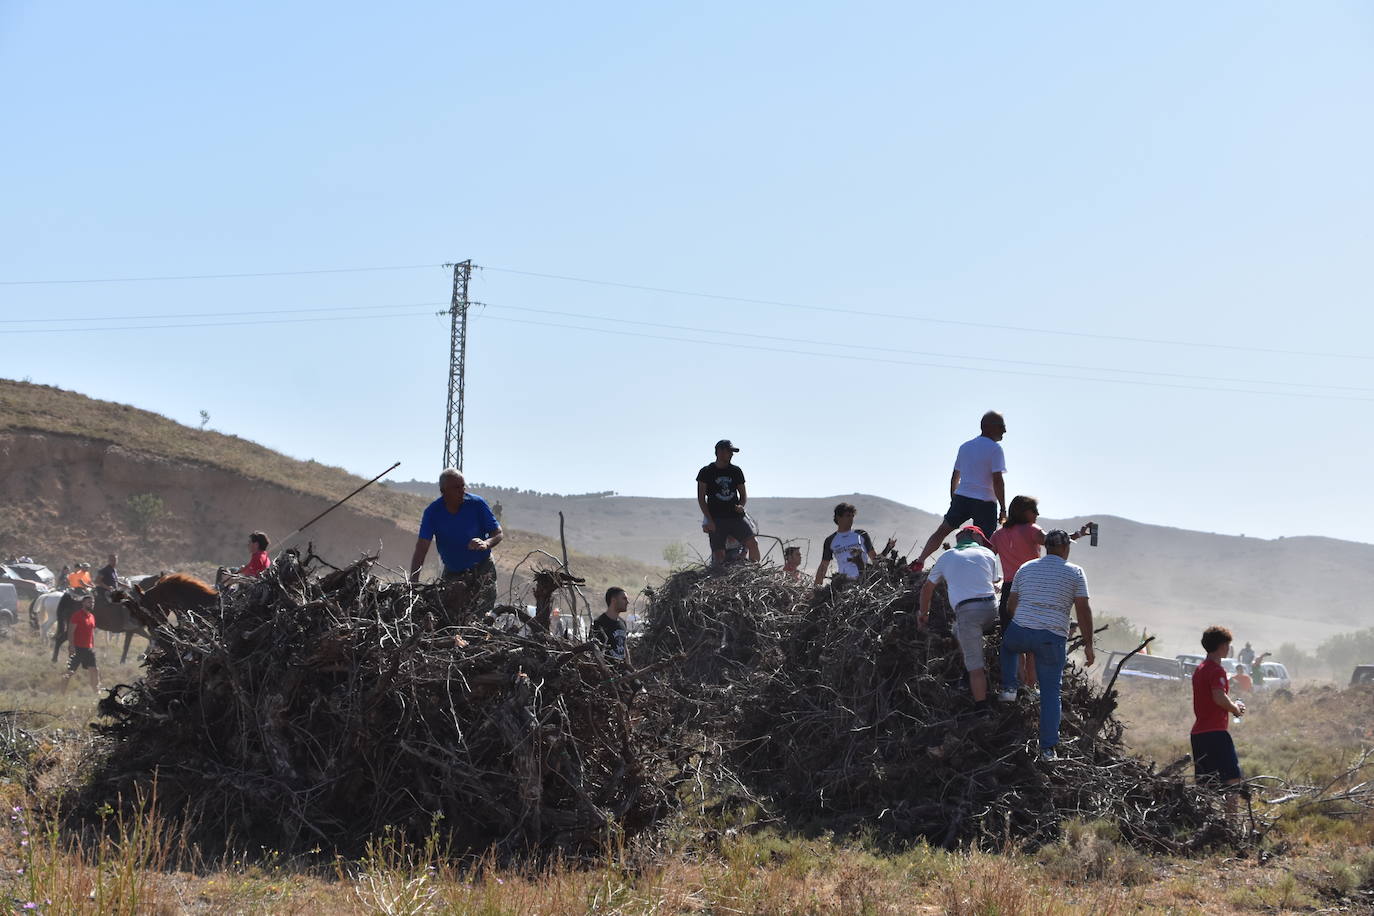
<point x="318" y="712"/>
<point x="844" y="714"/>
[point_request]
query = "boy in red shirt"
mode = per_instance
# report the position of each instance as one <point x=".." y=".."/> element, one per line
<point x="1214" y="753"/>
<point x="258" y="561"/>
<point x="83" y="645"/>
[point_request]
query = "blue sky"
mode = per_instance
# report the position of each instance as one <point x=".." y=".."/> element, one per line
<point x="1003" y="206"/>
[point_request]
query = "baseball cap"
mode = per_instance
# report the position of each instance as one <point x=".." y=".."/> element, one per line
<point x="726" y="443"/>
<point x="969" y="531"/>
<point x="1057" y="537"/>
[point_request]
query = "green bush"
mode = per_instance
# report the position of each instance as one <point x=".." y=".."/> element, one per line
<point x="145" y="509"/>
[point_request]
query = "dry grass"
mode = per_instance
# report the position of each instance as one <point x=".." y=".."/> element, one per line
<point x="703" y="866"/>
<point x="1311" y="733"/>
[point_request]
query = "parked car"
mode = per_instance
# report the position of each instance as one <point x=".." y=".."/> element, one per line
<point x="1141" y="667"/>
<point x="1363" y="674"/>
<point x="1271" y="676"/>
<point x="1190" y="661"/>
<point x="29" y="579"/>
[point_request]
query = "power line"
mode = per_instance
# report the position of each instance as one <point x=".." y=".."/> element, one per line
<point x="172" y="315"/>
<point x="270" y="273"/>
<point x="903" y="362"/>
<point x="195" y="324"/>
<point x="778" y="303"/>
<point x="946" y="321"/>
<point x="993" y="359"/>
<point x="216" y="324"/>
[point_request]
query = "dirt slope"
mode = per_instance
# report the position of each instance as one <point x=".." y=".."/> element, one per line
<point x="65" y="495"/>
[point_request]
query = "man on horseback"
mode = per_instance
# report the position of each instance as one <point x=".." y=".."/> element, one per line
<point x="107" y="577"/>
<point x="80" y="577"/>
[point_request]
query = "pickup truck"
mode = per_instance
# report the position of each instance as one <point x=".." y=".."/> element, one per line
<point x="29" y="579"/>
<point x="1140" y="668"/>
<point x="1190" y="662"/>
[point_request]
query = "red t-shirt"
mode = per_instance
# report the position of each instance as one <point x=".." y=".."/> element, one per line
<point x="1016" y="545"/>
<point x="83" y="630"/>
<point x="1210" y="717"/>
<point x="257" y="565"/>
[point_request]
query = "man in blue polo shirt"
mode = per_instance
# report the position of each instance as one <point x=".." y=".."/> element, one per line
<point x="466" y="530"/>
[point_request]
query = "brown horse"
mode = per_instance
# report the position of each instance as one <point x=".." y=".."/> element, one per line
<point x="110" y="616"/>
<point x="172" y="593"/>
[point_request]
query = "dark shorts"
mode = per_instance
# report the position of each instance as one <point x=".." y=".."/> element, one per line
<point x="964" y="508"/>
<point x="81" y="658"/>
<point x="1214" y="756"/>
<point x="729" y="527"/>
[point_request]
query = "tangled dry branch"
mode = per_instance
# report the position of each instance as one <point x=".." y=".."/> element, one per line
<point x="315" y="712"/>
<point x="844" y="713"/>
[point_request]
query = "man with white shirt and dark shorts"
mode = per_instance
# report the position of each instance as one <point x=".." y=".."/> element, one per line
<point x="976" y="490"/>
<point x="970" y="572"/>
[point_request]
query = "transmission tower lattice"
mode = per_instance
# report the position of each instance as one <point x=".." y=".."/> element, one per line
<point x="457" y="358"/>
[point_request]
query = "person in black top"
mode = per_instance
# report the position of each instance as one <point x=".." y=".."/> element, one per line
<point x="609" y="630"/>
<point x="721" y="496"/>
<point x="106" y="577"/>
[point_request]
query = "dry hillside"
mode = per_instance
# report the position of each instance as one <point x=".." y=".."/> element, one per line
<point x="70" y="466"/>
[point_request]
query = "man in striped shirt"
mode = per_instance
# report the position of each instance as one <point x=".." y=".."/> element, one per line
<point x="1042" y="594"/>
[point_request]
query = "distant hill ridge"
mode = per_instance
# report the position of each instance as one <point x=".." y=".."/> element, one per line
<point x="68" y="464"/>
<point x="1173" y="581"/>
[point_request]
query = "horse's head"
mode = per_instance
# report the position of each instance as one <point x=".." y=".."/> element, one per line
<point x="548" y="581"/>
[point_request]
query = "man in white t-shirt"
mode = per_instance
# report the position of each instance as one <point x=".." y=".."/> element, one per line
<point x="976" y="490"/>
<point x="850" y="548"/>
<point x="970" y="572"/>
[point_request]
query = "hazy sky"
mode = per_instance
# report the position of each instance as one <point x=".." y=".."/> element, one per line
<point x="1142" y="232"/>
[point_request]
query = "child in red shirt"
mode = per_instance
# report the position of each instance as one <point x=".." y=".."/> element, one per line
<point x="258" y="561"/>
<point x="1214" y="753"/>
<point x="82" y="630"/>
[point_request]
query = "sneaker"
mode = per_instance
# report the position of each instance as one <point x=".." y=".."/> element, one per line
<point x="1048" y="755"/>
<point x="1007" y="696"/>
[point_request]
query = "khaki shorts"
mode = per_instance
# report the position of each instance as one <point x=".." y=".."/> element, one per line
<point x="972" y="621"/>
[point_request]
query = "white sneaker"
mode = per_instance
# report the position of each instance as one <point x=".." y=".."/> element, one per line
<point x="1007" y="696"/>
<point x="1048" y="755"/>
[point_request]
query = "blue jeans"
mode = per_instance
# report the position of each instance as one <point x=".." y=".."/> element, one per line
<point x="1050" y="651"/>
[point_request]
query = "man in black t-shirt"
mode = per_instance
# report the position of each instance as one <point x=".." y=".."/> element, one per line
<point x="609" y="630"/>
<point x="721" y="496"/>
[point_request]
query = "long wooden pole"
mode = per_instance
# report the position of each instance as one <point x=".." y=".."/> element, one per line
<point x="341" y="502"/>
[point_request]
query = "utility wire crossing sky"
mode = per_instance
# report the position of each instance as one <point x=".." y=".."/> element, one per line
<point x="834" y="235"/>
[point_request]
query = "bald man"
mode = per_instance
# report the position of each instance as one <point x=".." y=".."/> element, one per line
<point x="466" y="530"/>
<point x="976" y="490"/>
